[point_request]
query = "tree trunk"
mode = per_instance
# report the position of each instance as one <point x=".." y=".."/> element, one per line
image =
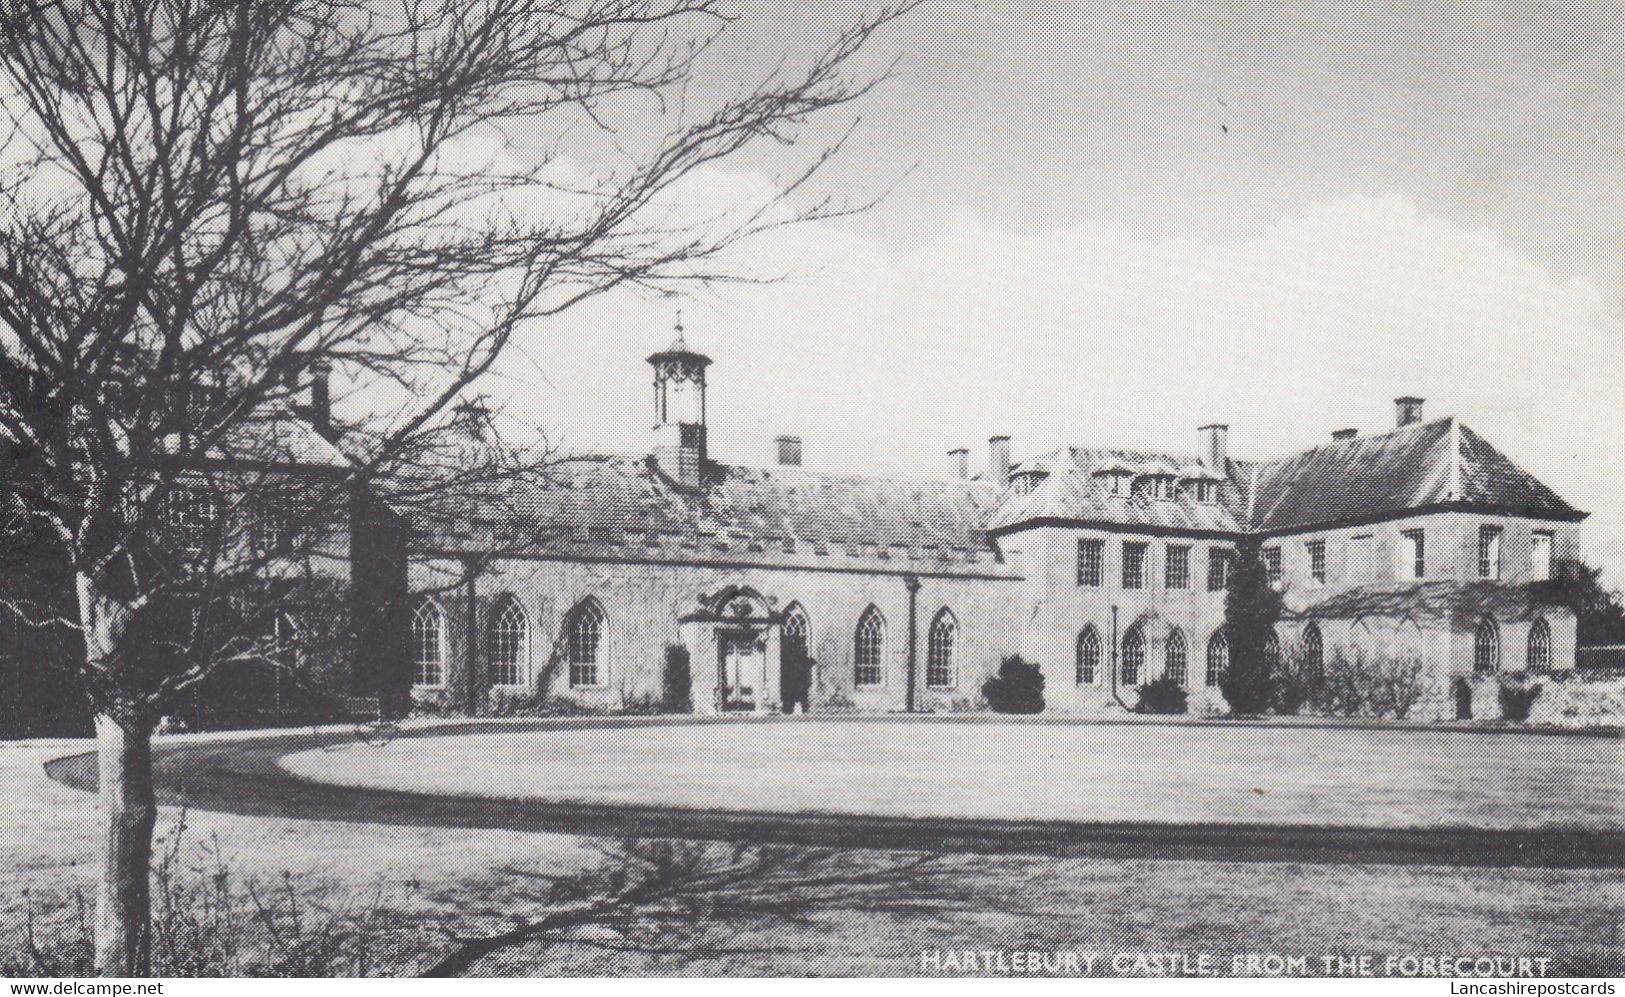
<point x="123" y="926"/>
<point x="123" y="896"/>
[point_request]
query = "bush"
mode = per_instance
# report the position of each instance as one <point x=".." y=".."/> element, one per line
<point x="677" y="692"/>
<point x="1516" y="700"/>
<point x="1018" y="688"/>
<point x="1165" y="695"/>
<point x="1251" y="608"/>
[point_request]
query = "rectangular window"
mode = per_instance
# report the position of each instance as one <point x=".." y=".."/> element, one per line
<point x="1134" y="565"/>
<point x="1090" y="555"/>
<point x="1489" y="552"/>
<point x="1272" y="565"/>
<point x="1413" y="554"/>
<point x="1540" y="555"/>
<point x="1177" y="572"/>
<point x="1317" y="560"/>
<point x="1218" y="569"/>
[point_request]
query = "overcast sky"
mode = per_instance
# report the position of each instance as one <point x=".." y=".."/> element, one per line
<point x="1114" y="226"/>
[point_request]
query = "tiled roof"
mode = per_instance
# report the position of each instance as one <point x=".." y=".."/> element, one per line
<point x="1418" y="466"/>
<point x="1074" y="492"/>
<point x="1461" y="603"/>
<point x="623" y="508"/>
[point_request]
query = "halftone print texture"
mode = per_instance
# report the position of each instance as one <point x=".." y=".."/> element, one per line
<point x="670" y="487"/>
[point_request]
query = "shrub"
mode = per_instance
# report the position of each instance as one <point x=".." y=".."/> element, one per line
<point x="1397" y="684"/>
<point x="1251" y="608"/>
<point x="1018" y="688"/>
<point x="1165" y="695"/>
<point x="1517" y="699"/>
<point x="677" y="692"/>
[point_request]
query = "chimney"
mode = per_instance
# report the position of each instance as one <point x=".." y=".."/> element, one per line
<point x="998" y="459"/>
<point x="789" y="451"/>
<point x="1344" y="434"/>
<point x="959" y="460"/>
<point x="1407" y="411"/>
<point x="321" y="396"/>
<point x="1216" y="438"/>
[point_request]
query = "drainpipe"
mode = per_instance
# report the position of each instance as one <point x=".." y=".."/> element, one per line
<point x="913" y="585"/>
<point x="1115" y="694"/>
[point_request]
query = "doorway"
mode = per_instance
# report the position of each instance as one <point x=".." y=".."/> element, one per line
<point x="1464" y="700"/>
<point x="740" y="664"/>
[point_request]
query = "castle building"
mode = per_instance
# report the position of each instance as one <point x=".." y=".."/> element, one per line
<point x="669" y="576"/>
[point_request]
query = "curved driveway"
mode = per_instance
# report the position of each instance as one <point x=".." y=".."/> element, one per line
<point x="245" y="776"/>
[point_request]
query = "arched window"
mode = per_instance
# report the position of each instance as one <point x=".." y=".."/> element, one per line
<point x="867" y="645"/>
<point x="1314" y="650"/>
<point x="509" y="642"/>
<point x="1487" y="647"/>
<point x="1218" y="657"/>
<point x="939" y="657"/>
<point x="1174" y="655"/>
<point x="584" y="638"/>
<point x="1133" y="655"/>
<point x="1540" y="646"/>
<point x="1088" y="656"/>
<point x="428" y="644"/>
<point x="795" y="632"/>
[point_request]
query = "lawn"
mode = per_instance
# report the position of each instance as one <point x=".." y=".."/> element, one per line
<point x="1048" y="772"/>
<point x="429" y="880"/>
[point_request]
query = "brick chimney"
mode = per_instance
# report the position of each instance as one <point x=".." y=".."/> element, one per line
<point x="1216" y="445"/>
<point x="998" y="459"/>
<point x="1407" y="411"/>
<point x="1344" y="434"/>
<point x="789" y="451"/>
<point x="959" y="461"/>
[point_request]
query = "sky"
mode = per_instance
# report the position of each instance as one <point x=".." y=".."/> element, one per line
<point x="1112" y="224"/>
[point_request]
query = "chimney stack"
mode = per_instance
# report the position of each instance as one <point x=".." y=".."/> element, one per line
<point x="789" y="451"/>
<point x="1345" y="434"/>
<point x="998" y="459"/>
<point x="321" y="396"/>
<point x="1217" y="440"/>
<point x="1407" y="411"/>
<point x="959" y="460"/>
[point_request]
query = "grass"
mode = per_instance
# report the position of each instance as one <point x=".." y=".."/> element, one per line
<point x="1073" y="772"/>
<point x="401" y="893"/>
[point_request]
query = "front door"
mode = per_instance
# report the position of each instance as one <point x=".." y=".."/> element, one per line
<point x="741" y="670"/>
<point x="1464" y="700"/>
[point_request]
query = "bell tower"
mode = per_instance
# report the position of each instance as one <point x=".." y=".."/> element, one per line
<point x="679" y="444"/>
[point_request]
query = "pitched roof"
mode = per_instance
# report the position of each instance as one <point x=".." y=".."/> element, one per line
<point x="1463" y="604"/>
<point x="1075" y="491"/>
<point x="611" y="507"/>
<point x="1418" y="466"/>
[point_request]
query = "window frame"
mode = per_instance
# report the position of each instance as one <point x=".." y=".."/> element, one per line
<point x="428" y="608"/>
<point x="1141" y="554"/>
<point x="1540" y="635"/>
<point x="504" y="609"/>
<point x="1088" y="639"/>
<point x="1091" y="566"/>
<point x="943" y="623"/>
<point x="1487" y="647"/>
<point x="1537" y="540"/>
<point x="1274" y="573"/>
<point x="1218" y="568"/>
<point x="1490" y="541"/>
<point x="585" y="612"/>
<point x="1315" y="550"/>
<point x="871" y="621"/>
<point x="1180" y="555"/>
<point x="1215" y="675"/>
<point x="1415" y="556"/>
<point x="1132" y="656"/>
<point x="1175" y="644"/>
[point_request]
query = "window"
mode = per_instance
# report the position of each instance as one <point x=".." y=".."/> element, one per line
<point x="191" y="512"/>
<point x="939" y="658"/>
<point x="1314" y="651"/>
<point x="1413" y="554"/>
<point x="1540" y="646"/>
<point x="1540" y="555"/>
<point x="1218" y="569"/>
<point x="1088" y="656"/>
<point x="1317" y="560"/>
<point x="428" y="644"/>
<point x="867" y="644"/>
<point x="508" y="642"/>
<point x="273" y="526"/>
<point x="1133" y="655"/>
<point x="1090" y="555"/>
<point x="1487" y="647"/>
<point x="1174" y="657"/>
<point x="1218" y="657"/>
<point x="1206" y="491"/>
<point x="1489" y="552"/>
<point x="1272" y="565"/>
<point x="583" y="644"/>
<point x="1176" y="572"/>
<point x="1134" y="565"/>
<point x="795" y="632"/>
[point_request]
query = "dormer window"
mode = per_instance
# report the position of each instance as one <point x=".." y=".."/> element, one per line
<point x="1201" y="484"/>
<point x="1204" y="490"/>
<point x="1114" y="477"/>
<point x="1024" y="481"/>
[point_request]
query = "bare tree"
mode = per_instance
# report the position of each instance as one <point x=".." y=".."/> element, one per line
<point x="207" y="202"/>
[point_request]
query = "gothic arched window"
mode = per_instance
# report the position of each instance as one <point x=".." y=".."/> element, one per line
<point x="1487" y="647"/>
<point x="867" y="644"/>
<point x="1133" y="655"/>
<point x="1314" y="650"/>
<point x="584" y="638"/>
<point x="1088" y="656"/>
<point x="428" y="644"/>
<point x="1218" y="657"/>
<point x="939" y="658"/>
<point x="1174" y="652"/>
<point x="1540" y="646"/>
<point x="509" y="642"/>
